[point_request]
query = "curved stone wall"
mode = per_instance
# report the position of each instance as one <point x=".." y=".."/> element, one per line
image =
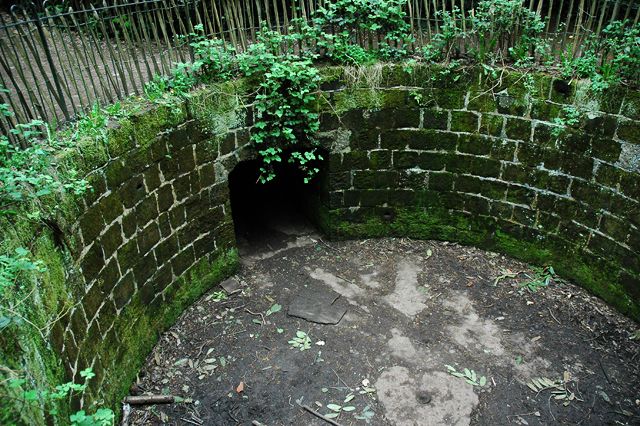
<point x="413" y="152"/>
<point x="477" y="161"/>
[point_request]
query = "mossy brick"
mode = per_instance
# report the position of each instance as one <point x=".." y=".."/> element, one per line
<point x="129" y="225"/>
<point x="148" y="237"/>
<point x="578" y="166"/>
<point x="78" y="326"/>
<point x="144" y="268"/>
<point x="98" y="186"/>
<point x="93" y="299"/>
<point x="434" y="161"/>
<point x="629" y="131"/>
<point x="608" y="175"/>
<point x="464" y="121"/>
<point x="207" y="176"/>
<point x="572" y="141"/>
<point x="545" y="110"/>
<point x="477" y="205"/>
<point x="593" y="195"/>
<point x="474" y="144"/>
<point x="374" y="197"/>
<point x="547" y="222"/>
<point x="111" y="239"/>
<point x="449" y="99"/>
<point x="543" y="135"/>
<point x="614" y="227"/>
<point x="401" y="197"/>
<point x="212" y="217"/>
<point x="183" y="261"/>
<point x="406" y="117"/>
<point x="329" y="121"/>
<point x="468" y="184"/>
<point x="132" y="191"/>
<point x="169" y="169"/>
<point x="520" y="195"/>
<point x="165" y="198"/>
<point x="606" y="149"/>
<point x="127" y="255"/>
<point x="405" y="159"/>
<point x="116" y="173"/>
<point x="485" y="167"/>
<point x="91" y="224"/>
<point x="491" y="124"/>
<point x="364" y="139"/>
<point x="204" y="245"/>
<point x="601" y="125"/>
<point x="166" y="249"/>
<point x="630" y="184"/>
<point x="426" y="140"/>
<point x="633" y="240"/>
<point x="162" y="278"/>
<point x="152" y="178"/>
<point x="380" y="159"/>
<point x="458" y="163"/>
<point x="93" y="261"/>
<point x="355" y="160"/>
<point x="631" y="284"/>
<point x="530" y="154"/>
<point x="395" y="98"/>
<point x="481" y="102"/>
<point x="111" y="207"/>
<point x="413" y="179"/>
<point x="339" y="181"/>
<point x="441" y="181"/>
<point x="435" y="119"/>
<point x="511" y="105"/>
<point x="631" y="105"/>
<point x="147" y="210"/>
<point x="503" y="150"/>
<point x="375" y="179"/>
<point x="524" y="216"/>
<point x="518" y="128"/>
<point x="164" y="224"/>
<point x="185" y="159"/>
<point x="218" y="194"/>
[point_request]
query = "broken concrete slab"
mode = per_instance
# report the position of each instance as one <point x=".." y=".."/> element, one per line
<point x="319" y="305"/>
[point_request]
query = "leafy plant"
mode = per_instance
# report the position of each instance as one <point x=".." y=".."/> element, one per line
<point x="301" y="341"/>
<point x="339" y="409"/>
<point x="286" y="123"/>
<point x="50" y="398"/>
<point x="542" y="278"/>
<point x="470" y="376"/>
<point x="559" y="388"/>
<point x="273" y="309"/>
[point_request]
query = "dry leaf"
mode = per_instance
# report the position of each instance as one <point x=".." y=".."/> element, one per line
<point x="240" y="388"/>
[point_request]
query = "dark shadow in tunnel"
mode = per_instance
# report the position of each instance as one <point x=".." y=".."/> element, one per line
<point x="269" y="216"/>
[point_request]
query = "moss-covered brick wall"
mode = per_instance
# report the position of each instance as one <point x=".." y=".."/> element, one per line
<point x="424" y="153"/>
<point x="414" y="151"/>
<point x="124" y="260"/>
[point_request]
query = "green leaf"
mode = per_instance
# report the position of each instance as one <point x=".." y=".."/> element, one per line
<point x="334" y="407"/>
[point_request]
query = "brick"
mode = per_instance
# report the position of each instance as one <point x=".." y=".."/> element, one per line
<point x="464" y="121"/>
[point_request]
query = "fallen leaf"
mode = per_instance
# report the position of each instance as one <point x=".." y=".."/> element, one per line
<point x="240" y="388"/>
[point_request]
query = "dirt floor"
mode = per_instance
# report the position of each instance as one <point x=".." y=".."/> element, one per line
<point x="413" y="308"/>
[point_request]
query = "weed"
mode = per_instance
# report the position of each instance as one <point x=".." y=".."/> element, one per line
<point x="470" y="376"/>
<point x="301" y="341"/>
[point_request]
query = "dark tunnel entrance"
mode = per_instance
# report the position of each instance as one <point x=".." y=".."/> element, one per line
<point x="269" y="216"/>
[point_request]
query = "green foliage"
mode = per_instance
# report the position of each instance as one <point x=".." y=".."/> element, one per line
<point x="341" y="27"/>
<point x="285" y="121"/>
<point x="49" y="400"/>
<point x="301" y="341"/>
<point x="27" y="173"/>
<point x="607" y="59"/>
<point x="470" y="376"/>
<point x="542" y="278"/>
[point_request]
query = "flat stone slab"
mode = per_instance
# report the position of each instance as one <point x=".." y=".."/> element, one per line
<point x="231" y="286"/>
<point x="318" y="304"/>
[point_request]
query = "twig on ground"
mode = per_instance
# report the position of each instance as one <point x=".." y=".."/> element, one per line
<point x="149" y="399"/>
<point x="554" y="317"/>
<point x="257" y="314"/>
<point x="318" y="415"/>
<point x="257" y="423"/>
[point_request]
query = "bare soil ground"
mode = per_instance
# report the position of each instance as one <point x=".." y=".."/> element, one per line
<point x="414" y="307"/>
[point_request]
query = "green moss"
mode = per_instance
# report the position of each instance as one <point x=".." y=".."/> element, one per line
<point x="599" y="277"/>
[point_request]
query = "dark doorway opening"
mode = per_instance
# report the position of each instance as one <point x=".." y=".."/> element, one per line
<point x="269" y="216"/>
